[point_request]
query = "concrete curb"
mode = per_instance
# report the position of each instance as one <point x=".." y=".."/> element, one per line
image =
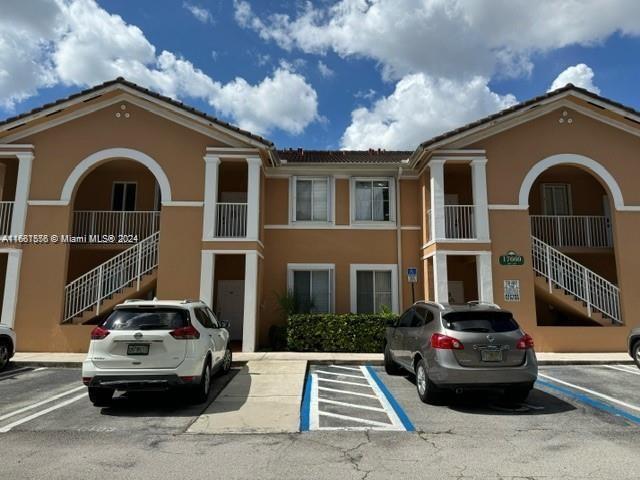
<point x="239" y="363"/>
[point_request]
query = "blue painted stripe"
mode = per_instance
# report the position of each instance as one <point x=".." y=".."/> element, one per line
<point x="306" y="405"/>
<point x="408" y="426"/>
<point x="605" y="407"/>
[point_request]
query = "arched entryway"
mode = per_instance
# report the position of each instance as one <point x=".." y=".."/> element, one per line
<point x="571" y="200"/>
<point x="116" y="197"/>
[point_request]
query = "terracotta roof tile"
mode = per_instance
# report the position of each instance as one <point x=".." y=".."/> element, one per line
<point x="342" y="156"/>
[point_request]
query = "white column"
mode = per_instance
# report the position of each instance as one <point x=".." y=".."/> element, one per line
<point x="207" y="269"/>
<point x="436" y="186"/>
<point x="253" y="197"/>
<point x="485" y="278"/>
<point x="479" y="186"/>
<point x="250" y="302"/>
<point x="440" y="278"/>
<point x="11" y="282"/>
<point x="212" y="164"/>
<point x="19" y="215"/>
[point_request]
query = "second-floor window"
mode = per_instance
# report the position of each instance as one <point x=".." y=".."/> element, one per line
<point x="373" y="200"/>
<point x="556" y="198"/>
<point x="123" y="197"/>
<point x="311" y="196"/>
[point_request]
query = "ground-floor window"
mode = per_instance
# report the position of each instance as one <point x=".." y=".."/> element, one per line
<point x="374" y="288"/>
<point x="312" y="287"/>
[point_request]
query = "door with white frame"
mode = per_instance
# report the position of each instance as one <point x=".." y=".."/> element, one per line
<point x="230" y="306"/>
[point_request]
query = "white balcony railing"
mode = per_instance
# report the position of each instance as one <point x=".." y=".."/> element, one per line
<point x="231" y="220"/>
<point x="572" y="230"/>
<point x="6" y="213"/>
<point x="459" y="221"/>
<point x="109" y="222"/>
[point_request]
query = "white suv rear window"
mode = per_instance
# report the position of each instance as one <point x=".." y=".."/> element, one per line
<point x="146" y="318"/>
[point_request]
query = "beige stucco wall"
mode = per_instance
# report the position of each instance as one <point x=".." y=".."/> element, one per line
<point x="179" y="152"/>
<point x="511" y="154"/>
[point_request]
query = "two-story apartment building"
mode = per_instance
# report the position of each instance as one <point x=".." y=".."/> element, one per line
<point x="535" y="208"/>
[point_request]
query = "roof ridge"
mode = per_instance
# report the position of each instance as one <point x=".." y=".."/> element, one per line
<point x="146" y="91"/>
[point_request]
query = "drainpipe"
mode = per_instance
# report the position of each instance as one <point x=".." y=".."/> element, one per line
<point x="399" y="238"/>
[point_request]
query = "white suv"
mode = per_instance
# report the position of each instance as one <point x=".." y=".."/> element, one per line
<point x="7" y="345"/>
<point x="156" y="345"/>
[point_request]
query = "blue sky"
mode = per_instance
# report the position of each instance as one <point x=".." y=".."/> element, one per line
<point x="332" y="74"/>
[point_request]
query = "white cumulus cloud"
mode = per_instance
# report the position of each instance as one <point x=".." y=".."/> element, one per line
<point x="581" y="75"/>
<point x="200" y="13"/>
<point x="82" y="44"/>
<point x="419" y="108"/>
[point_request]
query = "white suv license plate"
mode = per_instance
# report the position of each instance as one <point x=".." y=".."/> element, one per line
<point x="137" y="349"/>
<point x="491" y="355"/>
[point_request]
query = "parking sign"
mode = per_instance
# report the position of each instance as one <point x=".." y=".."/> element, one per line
<point x="412" y="274"/>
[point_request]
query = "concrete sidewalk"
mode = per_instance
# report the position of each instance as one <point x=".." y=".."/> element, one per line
<point x="74" y="360"/>
<point x="264" y="397"/>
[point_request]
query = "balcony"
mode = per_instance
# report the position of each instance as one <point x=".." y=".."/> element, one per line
<point x="6" y="213"/>
<point x="589" y="231"/>
<point x="459" y="222"/>
<point x="110" y="222"/>
<point x="231" y="220"/>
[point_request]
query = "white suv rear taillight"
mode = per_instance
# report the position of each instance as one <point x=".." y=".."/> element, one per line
<point x="185" y="333"/>
<point x="99" y="333"/>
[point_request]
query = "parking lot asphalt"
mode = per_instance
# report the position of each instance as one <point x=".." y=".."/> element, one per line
<point x="51" y="399"/>
<point x="578" y="423"/>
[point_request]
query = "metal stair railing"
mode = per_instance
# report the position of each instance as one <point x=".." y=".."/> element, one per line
<point x="124" y="270"/>
<point x="563" y="272"/>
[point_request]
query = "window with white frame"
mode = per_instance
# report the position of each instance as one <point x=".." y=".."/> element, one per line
<point x="312" y="287"/>
<point x="374" y="287"/>
<point x="556" y="198"/>
<point x="373" y="200"/>
<point x="311" y="199"/>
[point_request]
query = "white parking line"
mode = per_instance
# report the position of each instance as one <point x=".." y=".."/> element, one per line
<point x="342" y="382"/>
<point x="358" y="420"/>
<point x="346" y="391"/>
<point x="360" y="377"/>
<point x="351" y="405"/>
<point x="592" y="392"/>
<point x="7" y="428"/>
<point x="353" y="369"/>
<point x="621" y="368"/>
<point x="39" y="404"/>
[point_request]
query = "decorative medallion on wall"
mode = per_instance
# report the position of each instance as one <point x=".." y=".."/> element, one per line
<point x="124" y="113"/>
<point x="565" y="118"/>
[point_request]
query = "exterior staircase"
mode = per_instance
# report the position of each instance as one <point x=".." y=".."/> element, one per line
<point x="121" y="277"/>
<point x="561" y="279"/>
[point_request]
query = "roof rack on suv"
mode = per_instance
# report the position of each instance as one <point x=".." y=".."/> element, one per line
<point x="190" y="300"/>
<point x="429" y="302"/>
<point x="131" y="300"/>
<point x="475" y="303"/>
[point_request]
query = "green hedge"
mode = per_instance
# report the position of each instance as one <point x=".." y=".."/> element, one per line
<point x="327" y="332"/>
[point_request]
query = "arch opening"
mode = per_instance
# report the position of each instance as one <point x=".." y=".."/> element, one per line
<point x="570" y="208"/>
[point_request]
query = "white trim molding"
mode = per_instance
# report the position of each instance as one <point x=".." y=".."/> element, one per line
<point x="211" y="170"/>
<point x="570" y="159"/>
<point x="23" y="183"/>
<point x="113" y="153"/>
<point x="11" y="283"/>
<point x="305" y="267"/>
<point x="376" y="267"/>
<point x="182" y="203"/>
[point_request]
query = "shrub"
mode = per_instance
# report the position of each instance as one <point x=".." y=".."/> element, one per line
<point x="328" y="332"/>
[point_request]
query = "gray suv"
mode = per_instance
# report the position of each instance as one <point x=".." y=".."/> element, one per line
<point x="455" y="348"/>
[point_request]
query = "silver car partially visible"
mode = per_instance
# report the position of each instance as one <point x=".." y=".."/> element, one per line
<point x="461" y="347"/>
